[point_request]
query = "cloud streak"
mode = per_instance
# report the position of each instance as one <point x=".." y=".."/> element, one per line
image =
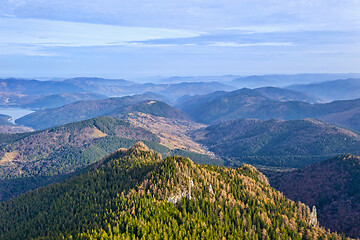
<point x="17" y="34"/>
<point x="183" y="37"/>
<point x="39" y="37"/>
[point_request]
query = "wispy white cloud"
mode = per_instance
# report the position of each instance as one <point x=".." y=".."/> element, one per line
<point x="183" y="35"/>
<point x="39" y="37"/>
<point x="25" y="34"/>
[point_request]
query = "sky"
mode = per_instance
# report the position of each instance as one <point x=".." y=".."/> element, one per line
<point x="129" y="39"/>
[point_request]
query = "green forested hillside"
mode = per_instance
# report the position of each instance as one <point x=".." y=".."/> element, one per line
<point x="333" y="186"/>
<point x="134" y="194"/>
<point x="278" y="143"/>
<point x="30" y="160"/>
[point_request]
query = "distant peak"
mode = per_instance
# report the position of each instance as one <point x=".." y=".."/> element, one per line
<point x="140" y="146"/>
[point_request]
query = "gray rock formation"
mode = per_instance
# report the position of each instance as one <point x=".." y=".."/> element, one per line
<point x="313" y="218"/>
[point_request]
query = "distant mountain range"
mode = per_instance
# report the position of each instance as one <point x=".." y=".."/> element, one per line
<point x="181" y="79"/>
<point x="252" y="103"/>
<point x="282" y="80"/>
<point x="47" y="94"/>
<point x="278" y="143"/>
<point x="136" y="194"/>
<point x="36" y="94"/>
<point x="344" y="89"/>
<point x="333" y="186"/>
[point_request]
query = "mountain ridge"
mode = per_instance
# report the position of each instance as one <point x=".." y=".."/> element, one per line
<point x="245" y="103"/>
<point x="131" y="193"/>
<point x="93" y="108"/>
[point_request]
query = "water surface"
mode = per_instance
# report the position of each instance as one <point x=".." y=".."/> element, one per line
<point x="15" y="113"/>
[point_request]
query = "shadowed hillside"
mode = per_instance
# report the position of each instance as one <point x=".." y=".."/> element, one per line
<point x="278" y="143"/>
<point x="333" y="186"/>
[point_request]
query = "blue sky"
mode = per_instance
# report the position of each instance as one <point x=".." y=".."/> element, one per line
<point x="127" y="39"/>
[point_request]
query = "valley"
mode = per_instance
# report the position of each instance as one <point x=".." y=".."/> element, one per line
<point x="287" y="134"/>
<point x="179" y="120"/>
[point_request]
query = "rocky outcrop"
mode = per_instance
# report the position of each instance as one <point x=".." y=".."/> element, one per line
<point x="177" y="198"/>
<point x="186" y="194"/>
<point x="313" y="218"/>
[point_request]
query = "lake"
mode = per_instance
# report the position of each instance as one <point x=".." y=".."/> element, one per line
<point x="15" y="113"/>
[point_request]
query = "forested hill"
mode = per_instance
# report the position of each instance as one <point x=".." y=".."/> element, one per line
<point x="279" y="143"/>
<point x="249" y="103"/>
<point x="30" y="160"/>
<point x="333" y="186"/>
<point x="266" y="102"/>
<point x="109" y="107"/>
<point x="134" y="194"/>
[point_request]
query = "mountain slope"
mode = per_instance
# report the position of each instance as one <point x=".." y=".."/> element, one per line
<point x="343" y="89"/>
<point x="4" y="120"/>
<point x="10" y="99"/>
<point x="157" y="108"/>
<point x="348" y="118"/>
<point x="88" y="109"/>
<point x="280" y="94"/>
<point x="35" y="87"/>
<point x="333" y="186"/>
<point x="278" y="143"/>
<point x="246" y="103"/>
<point x="7" y="127"/>
<point x="30" y="160"/>
<point x="135" y="194"/>
<point x="34" y="159"/>
<point x="173" y="133"/>
<point x="176" y="91"/>
<point x="243" y="103"/>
